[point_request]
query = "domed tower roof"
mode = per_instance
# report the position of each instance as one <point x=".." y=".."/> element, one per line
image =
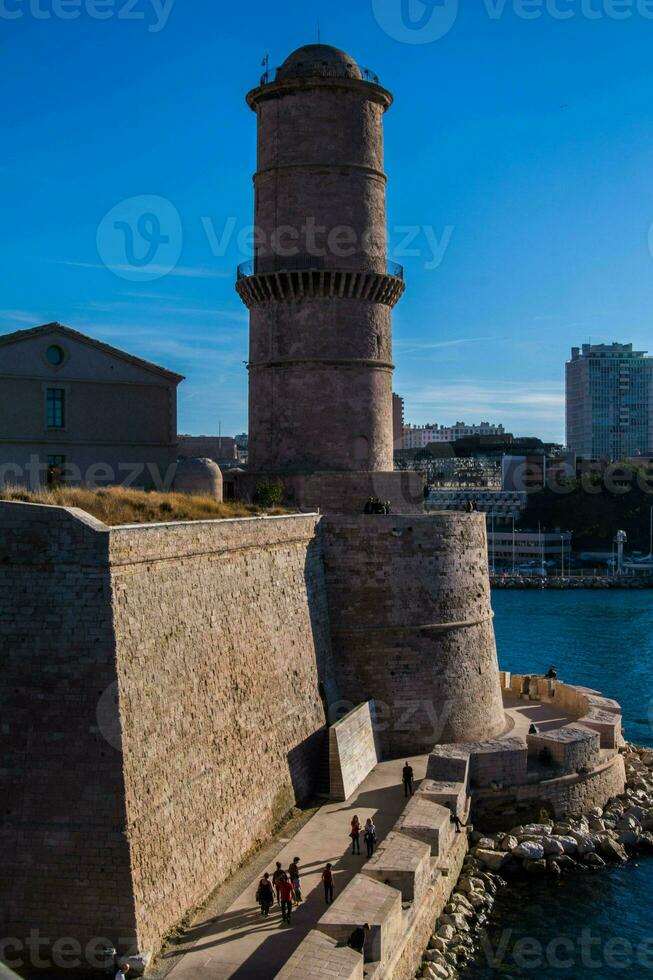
<point x="318" y="59"/>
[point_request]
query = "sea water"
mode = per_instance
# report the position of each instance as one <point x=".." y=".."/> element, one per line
<point x="599" y="923"/>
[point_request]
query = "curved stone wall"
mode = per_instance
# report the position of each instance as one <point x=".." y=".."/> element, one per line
<point x="412" y="626"/>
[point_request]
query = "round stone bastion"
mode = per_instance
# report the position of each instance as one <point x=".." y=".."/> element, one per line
<point x="411" y="623"/>
<point x="559" y="755"/>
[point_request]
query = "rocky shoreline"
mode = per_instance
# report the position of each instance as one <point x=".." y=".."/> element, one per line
<point x="551" y="848"/>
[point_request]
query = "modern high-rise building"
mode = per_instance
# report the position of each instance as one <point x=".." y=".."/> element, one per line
<point x="609" y="401"/>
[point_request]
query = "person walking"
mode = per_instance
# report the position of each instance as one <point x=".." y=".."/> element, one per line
<point x="370" y="836"/>
<point x="276" y="877"/>
<point x="408" y="776"/>
<point x="327" y="881"/>
<point x="265" y="894"/>
<point x="293" y="874"/>
<point x="287" y="892"/>
<point x="355" y="835"/>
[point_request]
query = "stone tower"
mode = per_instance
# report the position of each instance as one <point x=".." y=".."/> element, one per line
<point x="320" y="289"/>
<point x="409" y="596"/>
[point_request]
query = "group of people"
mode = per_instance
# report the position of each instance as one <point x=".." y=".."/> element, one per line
<point x="368" y="832"/>
<point x="376" y="506"/>
<point x="285" y="887"/>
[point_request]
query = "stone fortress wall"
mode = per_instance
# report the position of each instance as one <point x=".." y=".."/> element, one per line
<point x="186" y="671"/>
<point x="161" y="711"/>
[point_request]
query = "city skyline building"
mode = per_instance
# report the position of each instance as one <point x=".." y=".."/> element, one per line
<point x="420" y="436"/>
<point x="609" y="401"/>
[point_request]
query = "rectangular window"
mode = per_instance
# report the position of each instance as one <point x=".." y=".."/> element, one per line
<point x="55" y="403"/>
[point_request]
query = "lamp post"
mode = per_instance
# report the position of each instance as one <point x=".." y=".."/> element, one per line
<point x="562" y="553"/>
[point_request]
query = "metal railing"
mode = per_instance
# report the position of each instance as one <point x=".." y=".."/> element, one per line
<point x="298" y="263"/>
<point x="324" y="70"/>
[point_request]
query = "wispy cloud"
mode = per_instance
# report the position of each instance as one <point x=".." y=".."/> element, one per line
<point x="512" y="403"/>
<point x="21" y="317"/>
<point x="416" y="346"/>
<point x="180" y="271"/>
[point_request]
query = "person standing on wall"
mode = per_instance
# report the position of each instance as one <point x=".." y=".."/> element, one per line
<point x="355" y="835"/>
<point x="327" y="881"/>
<point x="122" y="972"/>
<point x="370" y="836"/>
<point x="287" y="892"/>
<point x="408" y="776"/>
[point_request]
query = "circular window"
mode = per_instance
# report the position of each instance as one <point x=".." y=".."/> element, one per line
<point x="55" y="355"/>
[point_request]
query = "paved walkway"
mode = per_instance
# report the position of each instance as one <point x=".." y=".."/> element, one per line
<point x="523" y="714"/>
<point x="241" y="944"/>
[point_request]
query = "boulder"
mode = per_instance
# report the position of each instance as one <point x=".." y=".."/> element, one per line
<point x="436" y="943"/>
<point x="485" y="843"/>
<point x="629" y="839"/>
<point x="494" y="860"/>
<point x="569" y="845"/>
<point x="529" y="850"/>
<point x="535" y="867"/>
<point x="564" y="862"/>
<point x="537" y="830"/>
<point x="593" y="860"/>
<point x="469" y="885"/>
<point x="611" y="850"/>
<point x="508" y="842"/>
<point x="459" y="922"/>
<point x="553" y="847"/>
<point x="446" y="932"/>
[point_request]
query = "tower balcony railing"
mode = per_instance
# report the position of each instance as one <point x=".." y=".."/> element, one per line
<point x="303" y="262"/>
<point x="325" y="71"/>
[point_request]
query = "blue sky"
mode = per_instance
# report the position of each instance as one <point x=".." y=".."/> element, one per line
<point x="523" y="145"/>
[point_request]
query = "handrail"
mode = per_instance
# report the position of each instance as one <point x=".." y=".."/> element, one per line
<point x="307" y="262"/>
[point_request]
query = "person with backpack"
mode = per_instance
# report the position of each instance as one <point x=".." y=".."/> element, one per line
<point x="370" y="836"/>
<point x="265" y="895"/>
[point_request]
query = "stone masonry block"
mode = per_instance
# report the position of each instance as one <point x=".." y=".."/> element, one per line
<point x="451" y="795"/>
<point x="320" y="956"/>
<point x="366" y="900"/>
<point x="402" y="863"/>
<point x="570" y="747"/>
<point x="427" y="821"/>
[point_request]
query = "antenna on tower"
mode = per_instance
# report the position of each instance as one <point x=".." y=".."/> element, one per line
<point x="266" y="74"/>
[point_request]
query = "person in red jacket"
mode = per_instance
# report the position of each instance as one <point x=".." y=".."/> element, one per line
<point x="286" y="893"/>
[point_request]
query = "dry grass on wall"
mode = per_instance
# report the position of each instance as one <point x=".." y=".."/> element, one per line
<point x="117" y="505"/>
